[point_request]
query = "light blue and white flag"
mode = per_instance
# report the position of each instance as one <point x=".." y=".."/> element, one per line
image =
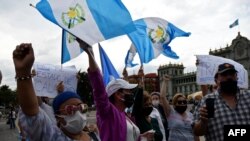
<point x="70" y="47"/>
<point x="130" y="57"/>
<point x="152" y="38"/>
<point x="108" y="70"/>
<point x="90" y="20"/>
<point x="235" y="23"/>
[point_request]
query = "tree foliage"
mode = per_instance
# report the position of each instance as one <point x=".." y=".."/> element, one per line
<point x="84" y="88"/>
<point x="7" y="96"/>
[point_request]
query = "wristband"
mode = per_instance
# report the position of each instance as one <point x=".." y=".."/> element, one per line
<point x="20" y="78"/>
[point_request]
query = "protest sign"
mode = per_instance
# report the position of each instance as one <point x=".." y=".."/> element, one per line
<point x="48" y="76"/>
<point x="208" y="66"/>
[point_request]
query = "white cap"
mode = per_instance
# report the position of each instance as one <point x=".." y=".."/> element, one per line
<point x="116" y="84"/>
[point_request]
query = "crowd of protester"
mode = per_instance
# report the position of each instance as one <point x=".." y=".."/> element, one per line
<point x="124" y="111"/>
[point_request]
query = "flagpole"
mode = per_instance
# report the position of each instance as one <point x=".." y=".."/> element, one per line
<point x="32" y="5"/>
<point x="143" y="77"/>
<point x="238" y="27"/>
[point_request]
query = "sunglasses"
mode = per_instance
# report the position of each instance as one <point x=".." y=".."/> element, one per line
<point x="182" y="102"/>
<point x="71" y="109"/>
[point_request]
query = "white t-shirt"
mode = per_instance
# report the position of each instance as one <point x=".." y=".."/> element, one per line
<point x="133" y="131"/>
<point x="155" y="114"/>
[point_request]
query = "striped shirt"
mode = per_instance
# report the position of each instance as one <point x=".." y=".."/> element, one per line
<point x="40" y="127"/>
<point x="224" y="115"/>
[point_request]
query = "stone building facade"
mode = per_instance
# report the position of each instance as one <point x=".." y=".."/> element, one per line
<point x="239" y="51"/>
<point x="185" y="83"/>
<point x="151" y="81"/>
<point x="180" y="82"/>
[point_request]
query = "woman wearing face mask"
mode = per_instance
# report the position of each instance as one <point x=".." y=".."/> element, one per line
<point x="160" y="102"/>
<point x="35" y="122"/>
<point x="111" y="103"/>
<point x="180" y="121"/>
<point x="148" y="126"/>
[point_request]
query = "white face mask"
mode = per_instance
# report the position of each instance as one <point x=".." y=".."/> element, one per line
<point x="75" y="123"/>
<point x="155" y="102"/>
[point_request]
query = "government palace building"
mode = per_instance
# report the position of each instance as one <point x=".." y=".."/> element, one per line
<point x="185" y="83"/>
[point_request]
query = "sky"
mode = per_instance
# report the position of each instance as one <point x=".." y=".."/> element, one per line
<point x="207" y="20"/>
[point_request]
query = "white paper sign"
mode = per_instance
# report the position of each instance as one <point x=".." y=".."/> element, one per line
<point x="48" y="76"/>
<point x="208" y="66"/>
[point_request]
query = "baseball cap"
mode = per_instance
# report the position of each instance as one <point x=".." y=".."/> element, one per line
<point x="116" y="84"/>
<point x="61" y="98"/>
<point x="226" y="67"/>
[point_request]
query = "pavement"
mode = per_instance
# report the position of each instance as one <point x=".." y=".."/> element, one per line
<point x="7" y="134"/>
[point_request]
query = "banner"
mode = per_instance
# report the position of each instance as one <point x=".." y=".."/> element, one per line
<point x="48" y="76"/>
<point x="208" y="66"/>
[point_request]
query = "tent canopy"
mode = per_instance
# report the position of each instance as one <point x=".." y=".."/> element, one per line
<point x="195" y="96"/>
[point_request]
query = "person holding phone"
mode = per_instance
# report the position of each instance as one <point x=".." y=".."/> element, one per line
<point x="226" y="106"/>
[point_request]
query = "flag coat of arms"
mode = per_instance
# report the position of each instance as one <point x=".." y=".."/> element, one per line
<point x="90" y="20"/>
<point x="152" y="38"/>
<point x="108" y="70"/>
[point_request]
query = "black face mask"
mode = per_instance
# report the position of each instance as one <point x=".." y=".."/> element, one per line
<point x="180" y="109"/>
<point x="147" y="110"/>
<point x="196" y="102"/>
<point x="128" y="100"/>
<point x="229" y="86"/>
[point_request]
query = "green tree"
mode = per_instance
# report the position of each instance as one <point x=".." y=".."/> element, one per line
<point x="7" y="96"/>
<point x="84" y="88"/>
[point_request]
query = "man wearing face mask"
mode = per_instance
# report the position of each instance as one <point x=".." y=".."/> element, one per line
<point x="230" y="106"/>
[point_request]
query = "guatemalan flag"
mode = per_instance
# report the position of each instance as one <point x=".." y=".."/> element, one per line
<point x="108" y="70"/>
<point x="152" y="38"/>
<point x="90" y="20"/>
<point x="70" y="47"/>
<point x="130" y="57"/>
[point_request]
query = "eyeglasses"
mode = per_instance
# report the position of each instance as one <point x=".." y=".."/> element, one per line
<point x="71" y="109"/>
<point x="182" y="102"/>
